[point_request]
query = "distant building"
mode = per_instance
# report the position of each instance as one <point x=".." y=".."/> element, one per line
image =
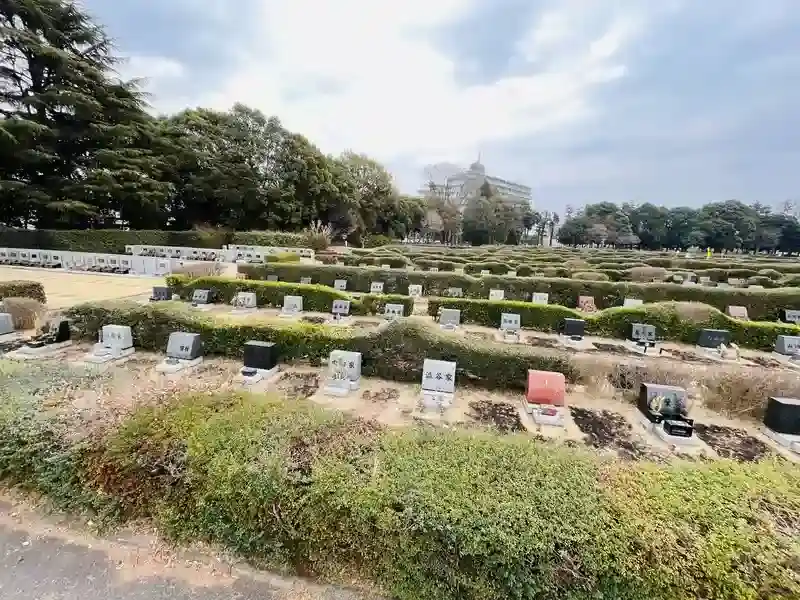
<point x="460" y="187"/>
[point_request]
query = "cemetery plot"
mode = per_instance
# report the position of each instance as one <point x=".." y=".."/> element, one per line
<point x="731" y="442"/>
<point x="502" y="416"/>
<point x="608" y="430"/>
<point x="298" y="384"/>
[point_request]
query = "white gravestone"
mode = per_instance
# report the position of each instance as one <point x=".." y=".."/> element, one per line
<point x="376" y="287"/>
<point x="341" y="311"/>
<point x="184" y="351"/>
<point x="510" y="325"/>
<point x="115" y="344"/>
<point x="386" y="266"/>
<point x="200" y="299"/>
<point x="485" y="272"/>
<point x="305" y="281"/>
<point x="415" y="290"/>
<point x="292" y="306"/>
<point x="344" y="373"/>
<point x="511" y="274"/>
<point x="632" y="302"/>
<point x="455" y="292"/>
<point x="244" y="302"/>
<point x="393" y="311"/>
<point x="496" y="294"/>
<point x="438" y="384"/>
<point x="434" y="269"/>
<point x="6" y="324"/>
<point x="449" y="318"/>
<point x="340" y="285"/>
<point x="540" y="298"/>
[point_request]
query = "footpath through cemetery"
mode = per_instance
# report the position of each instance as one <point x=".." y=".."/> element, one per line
<point x="339" y="411"/>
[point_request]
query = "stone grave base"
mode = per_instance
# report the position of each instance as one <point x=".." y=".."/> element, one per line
<point x="340" y="322"/>
<point x="787" y="361"/>
<point x="792" y="442"/>
<point x="48" y="351"/>
<point x="657" y="429"/>
<point x="508" y="338"/>
<point x="10" y="337"/>
<point x="581" y="344"/>
<point x="449" y="328"/>
<point x="259" y="375"/>
<point x="169" y="368"/>
<point x="103" y="361"/>
<point x="202" y="307"/>
<point x="714" y="354"/>
<point x="643" y="350"/>
<point x="556" y="420"/>
<point x="289" y="315"/>
<point x="340" y="388"/>
<point x="430" y="400"/>
<point x="243" y="311"/>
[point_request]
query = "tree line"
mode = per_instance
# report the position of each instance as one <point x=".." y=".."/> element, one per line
<point x="729" y="225"/>
<point x="79" y="150"/>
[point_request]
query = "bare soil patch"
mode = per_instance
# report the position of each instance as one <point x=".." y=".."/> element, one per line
<point x="613" y="349"/>
<point x="607" y="430"/>
<point x="503" y="416"/>
<point x="299" y="385"/>
<point x="542" y="342"/>
<point x="730" y="442"/>
<point x="478" y="335"/>
<point x="381" y="396"/>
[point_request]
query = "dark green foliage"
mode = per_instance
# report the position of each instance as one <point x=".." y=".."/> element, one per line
<point x="23" y="289"/>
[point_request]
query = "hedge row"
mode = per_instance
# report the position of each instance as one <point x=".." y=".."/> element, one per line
<point x="23" y="289"/>
<point x="445" y="515"/>
<point x="114" y="241"/>
<point x="316" y="298"/>
<point x="674" y="321"/>
<point x="762" y="305"/>
<point x="395" y="352"/>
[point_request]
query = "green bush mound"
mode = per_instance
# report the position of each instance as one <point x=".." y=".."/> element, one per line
<point x="393" y="352"/>
<point x="23" y="289"/>
<point x="762" y="305"/>
<point x="675" y="321"/>
<point x="114" y="240"/>
<point x="316" y="298"/>
<point x="424" y="515"/>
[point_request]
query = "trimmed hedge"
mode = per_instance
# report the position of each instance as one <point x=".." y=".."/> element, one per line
<point x="395" y="351"/>
<point x="316" y="298"/>
<point x="23" y="289"/>
<point x="762" y="305"/>
<point x="675" y="322"/>
<point x="114" y="240"/>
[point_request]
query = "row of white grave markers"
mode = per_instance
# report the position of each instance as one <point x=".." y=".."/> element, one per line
<point x="231" y="253"/>
<point x="89" y="261"/>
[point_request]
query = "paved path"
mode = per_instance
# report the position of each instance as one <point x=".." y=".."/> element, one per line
<point x="65" y="289"/>
<point x="44" y="560"/>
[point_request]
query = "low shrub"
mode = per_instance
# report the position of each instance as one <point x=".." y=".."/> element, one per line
<point x="22" y="289"/>
<point x="26" y="313"/>
<point x="442" y="265"/>
<point x="394" y="352"/>
<point x="316" y="298"/>
<point x="590" y="276"/>
<point x="678" y="322"/>
<point x="282" y="257"/>
<point x="647" y="274"/>
<point x="762" y="305"/>
<point x="771" y="273"/>
<point x="495" y="268"/>
<point x="762" y="281"/>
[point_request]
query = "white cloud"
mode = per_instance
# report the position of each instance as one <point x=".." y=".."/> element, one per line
<point x="377" y="82"/>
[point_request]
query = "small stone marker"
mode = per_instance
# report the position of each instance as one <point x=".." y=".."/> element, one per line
<point x="6" y="324"/>
<point x="485" y="272"/>
<point x="415" y="290"/>
<point x="340" y="285"/>
<point x="393" y="311"/>
<point x="787" y="345"/>
<point x="586" y="304"/>
<point x="305" y="281"/>
<point x="260" y="361"/>
<point x="455" y="292"/>
<point x="790" y="316"/>
<point x="386" y="266"/>
<point x="449" y="318"/>
<point x="376" y="287"/>
<point x="705" y="280"/>
<point x="540" y="298"/>
<point x="737" y="312"/>
<point x="344" y="373"/>
<point x="434" y="269"/>
<point x="272" y="278"/>
<point x="511" y="274"/>
<point x="438" y="384"/>
<point x="496" y="295"/>
<point x="632" y="302"/>
<point x="713" y="338"/>
<point x="184" y="351"/>
<point x="545" y="397"/>
<point x="245" y="301"/>
<point x="292" y="306"/>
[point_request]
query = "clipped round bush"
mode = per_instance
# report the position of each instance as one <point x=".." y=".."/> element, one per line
<point x="283" y="257"/>
<point x="648" y="274"/>
<point x="763" y="281"/>
<point x="771" y="273"/>
<point x="590" y="276"/>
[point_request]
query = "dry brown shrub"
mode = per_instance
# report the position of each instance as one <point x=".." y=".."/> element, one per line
<point x="629" y="375"/>
<point x="200" y="269"/>
<point x="26" y="313"/>
<point x="647" y="274"/>
<point x="744" y="393"/>
<point x="695" y="312"/>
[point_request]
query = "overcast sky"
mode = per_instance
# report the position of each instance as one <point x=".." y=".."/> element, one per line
<point x="670" y="101"/>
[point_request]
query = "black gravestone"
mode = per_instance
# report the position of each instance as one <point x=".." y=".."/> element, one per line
<point x="783" y="415"/>
<point x="671" y="402"/>
<point x="573" y="327"/>
<point x="260" y="355"/>
<point x="713" y="338"/>
<point x="790" y="316"/>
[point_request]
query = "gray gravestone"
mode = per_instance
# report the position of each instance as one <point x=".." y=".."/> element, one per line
<point x="632" y="302"/>
<point x="292" y="305"/>
<point x="6" y="324"/>
<point x="245" y="300"/>
<point x="341" y="307"/>
<point x="272" y="278"/>
<point x="340" y="284"/>
<point x="376" y="287"/>
<point x="117" y="337"/>
<point x="415" y="290"/>
<point x="184" y="346"/>
<point x="496" y="295"/>
<point x="438" y="376"/>
<point x="738" y="312"/>
<point x="449" y="318"/>
<point x="455" y="292"/>
<point x="788" y="345"/>
<point x="200" y="297"/>
<point x="510" y="322"/>
<point x="540" y="298"/>
<point x="393" y="311"/>
<point x="305" y="281"/>
<point x="344" y="372"/>
<point x="641" y="332"/>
